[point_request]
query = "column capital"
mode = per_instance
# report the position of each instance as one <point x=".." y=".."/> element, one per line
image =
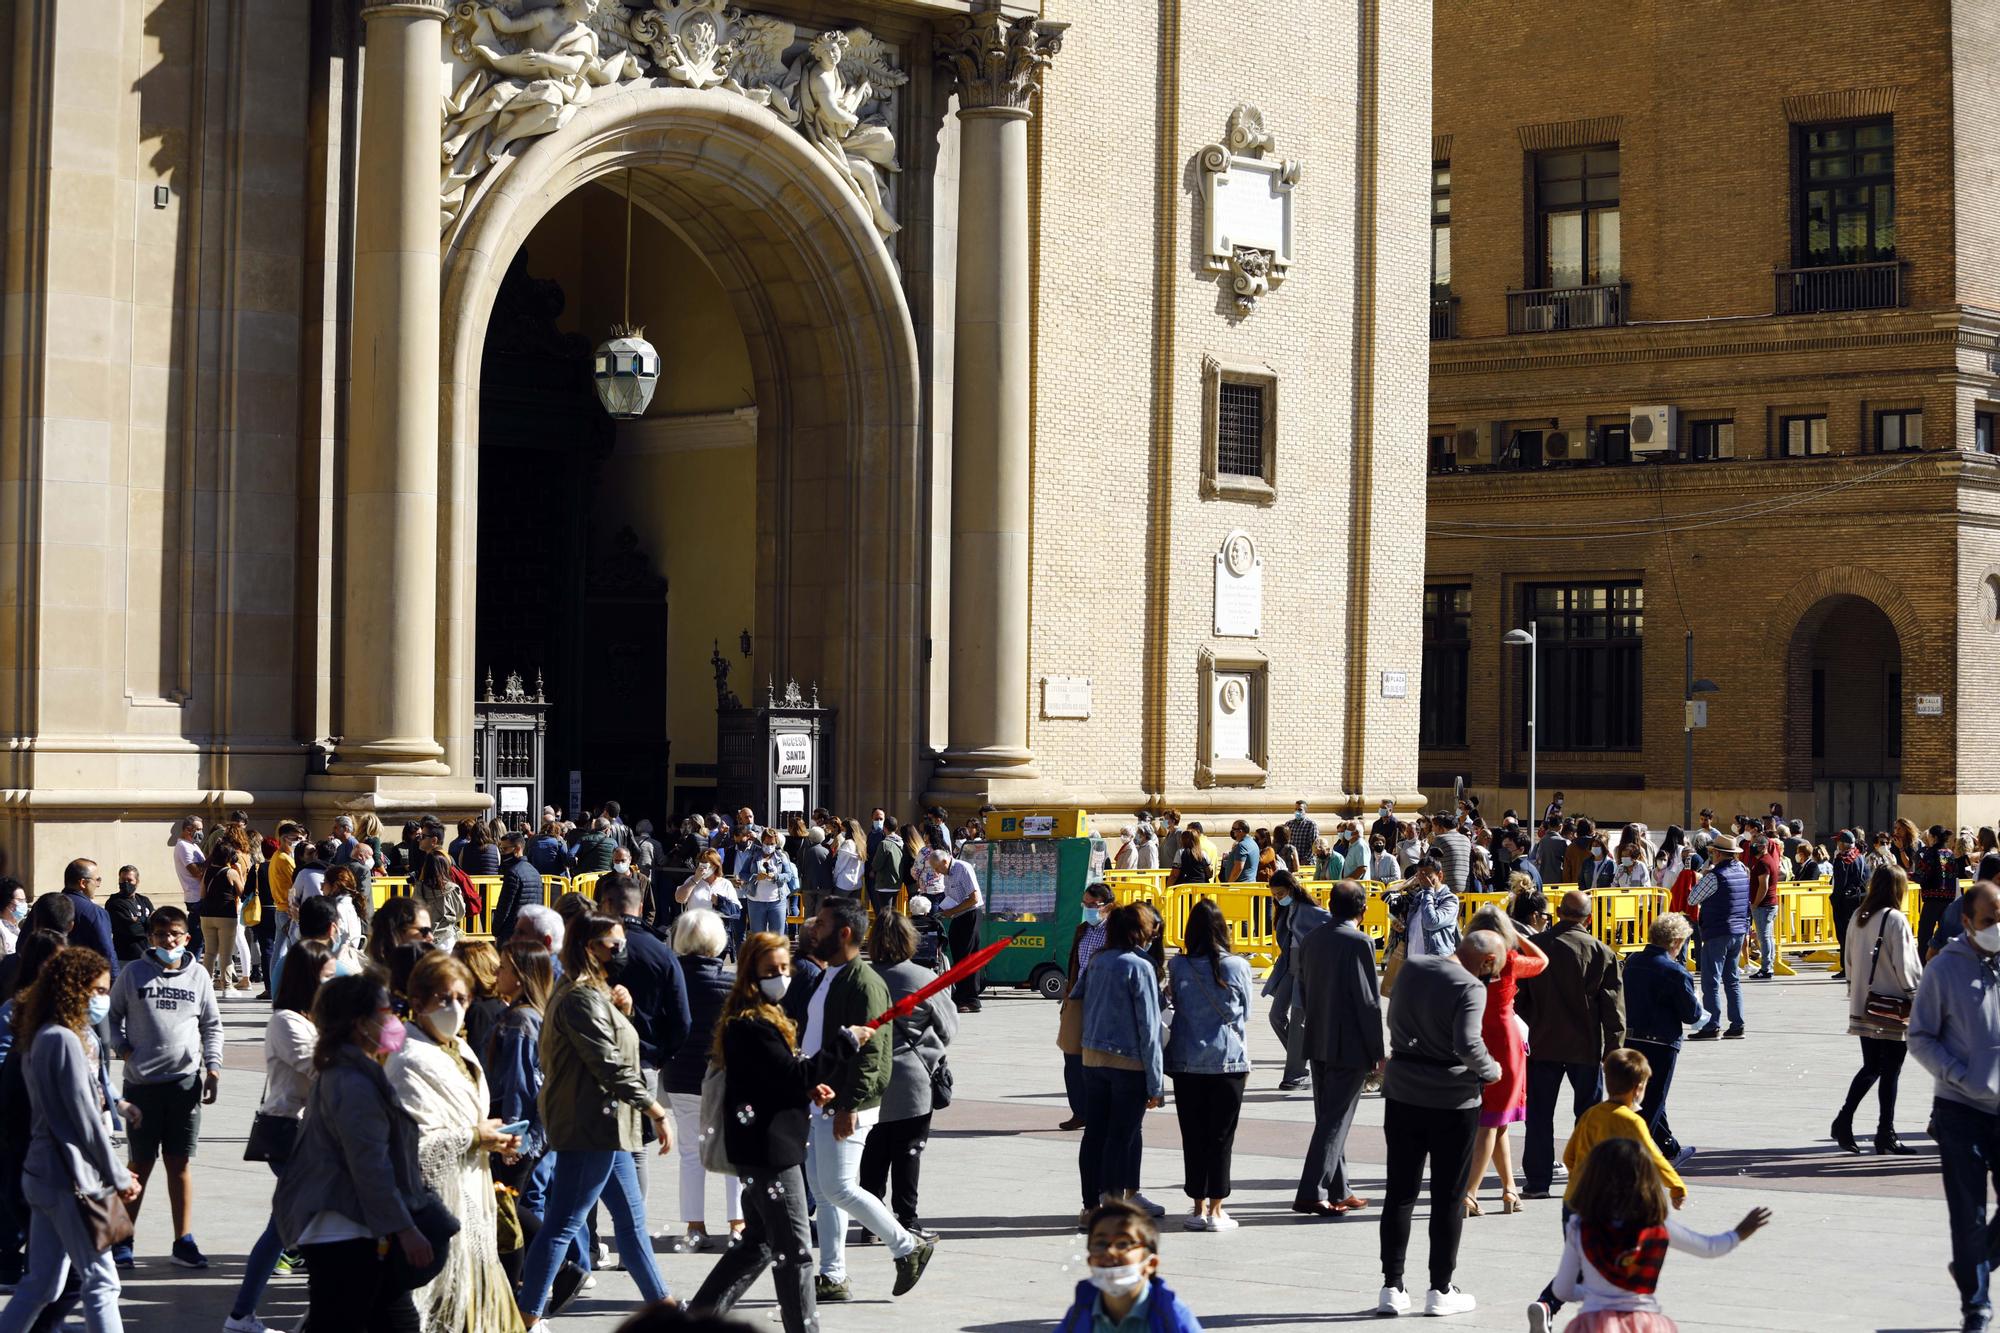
<point x="420" y="9"/>
<point x="994" y="60"/>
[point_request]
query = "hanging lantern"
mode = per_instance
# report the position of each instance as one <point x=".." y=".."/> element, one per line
<point x="625" y="369"/>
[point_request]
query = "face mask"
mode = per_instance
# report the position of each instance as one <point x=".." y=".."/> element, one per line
<point x="100" y="1009"/>
<point x="1092" y="915"/>
<point x="1989" y="938"/>
<point x="877" y="826"/>
<point x="446" y="1019"/>
<point x="614" y="962"/>
<point x="706" y="872"/>
<point x="621" y="867"/>
<point x="392" y="1035"/>
<point x="1117" y="1279"/>
<point x="1282" y="899"/>
<point x="18" y="912"/>
<point x="1625" y="863"/>
<point x="345" y="966"/>
<point x="1597" y="854"/>
<point x="774" y="988"/>
<point x="169" y="957"/>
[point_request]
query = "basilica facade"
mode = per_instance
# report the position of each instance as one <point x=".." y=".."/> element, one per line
<point x="1041" y="386"/>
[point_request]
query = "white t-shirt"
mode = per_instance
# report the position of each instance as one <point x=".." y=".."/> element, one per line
<point x="815" y="1038"/>
<point x="188" y="865"/>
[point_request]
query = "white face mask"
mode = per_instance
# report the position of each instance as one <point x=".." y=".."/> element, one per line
<point x="1988" y="939"/>
<point x="774" y="988"/>
<point x="1118" y="1278"/>
<point x="446" y="1019"/>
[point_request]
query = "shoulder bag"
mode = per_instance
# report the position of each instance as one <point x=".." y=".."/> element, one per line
<point x="941" y="1083"/>
<point x="1889" y="1011"/>
<point x="714" y="1107"/>
<point x="105" y="1218"/>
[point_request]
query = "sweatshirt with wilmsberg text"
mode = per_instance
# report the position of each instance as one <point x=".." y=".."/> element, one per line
<point x="165" y="1025"/>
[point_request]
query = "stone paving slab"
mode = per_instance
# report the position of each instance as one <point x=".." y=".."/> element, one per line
<point x="1858" y="1243"/>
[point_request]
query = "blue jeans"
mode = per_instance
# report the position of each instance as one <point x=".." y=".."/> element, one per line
<point x="1718" y="978"/>
<point x="580" y="1179"/>
<point x="1969" y="1156"/>
<point x="1545" y="1080"/>
<point x="57" y="1239"/>
<point x="1767" y="945"/>
<point x="764" y="917"/>
<point x="835" y="1168"/>
<point x="261" y="1263"/>
<point x="282" y="939"/>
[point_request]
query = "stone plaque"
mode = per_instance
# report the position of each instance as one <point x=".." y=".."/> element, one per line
<point x="1229" y="716"/>
<point x="1930" y="705"/>
<point x="1066" y="696"/>
<point x="1239" y="588"/>
<point x="1246" y="213"/>
<point x="1395" y="684"/>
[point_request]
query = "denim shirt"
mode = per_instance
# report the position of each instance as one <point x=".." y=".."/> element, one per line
<point x="1121" y="1011"/>
<point x="1211" y="1022"/>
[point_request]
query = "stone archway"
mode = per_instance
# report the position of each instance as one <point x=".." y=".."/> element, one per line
<point x="839" y="457"/>
<point x="1843" y="634"/>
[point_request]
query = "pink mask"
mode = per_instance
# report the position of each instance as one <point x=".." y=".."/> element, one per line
<point x="392" y="1035"/>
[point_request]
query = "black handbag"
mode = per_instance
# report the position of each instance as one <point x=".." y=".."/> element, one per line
<point x="439" y="1225"/>
<point x="272" y="1138"/>
<point x="941" y="1084"/>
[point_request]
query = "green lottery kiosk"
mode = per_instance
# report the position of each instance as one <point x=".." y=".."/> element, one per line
<point x="1032" y="871"/>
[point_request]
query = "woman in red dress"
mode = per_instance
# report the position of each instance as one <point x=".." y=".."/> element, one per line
<point x="1505" y="1100"/>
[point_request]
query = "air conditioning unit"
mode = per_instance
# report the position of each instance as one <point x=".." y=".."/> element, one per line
<point x="1563" y="446"/>
<point x="1538" y="318"/>
<point x="1654" y="430"/>
<point x="1475" y="447"/>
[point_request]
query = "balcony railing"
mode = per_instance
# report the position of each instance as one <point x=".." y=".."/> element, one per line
<point x="1814" y="291"/>
<point x="1553" y="309"/>
<point x="1444" y="316"/>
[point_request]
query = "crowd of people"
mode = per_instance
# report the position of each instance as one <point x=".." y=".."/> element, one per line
<point x="447" y="1112"/>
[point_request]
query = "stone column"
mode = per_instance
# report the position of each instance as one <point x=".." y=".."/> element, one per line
<point x="389" y="508"/>
<point x="995" y="60"/>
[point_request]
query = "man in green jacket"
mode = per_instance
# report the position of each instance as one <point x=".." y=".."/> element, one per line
<point x="847" y="994"/>
<point x="885" y="870"/>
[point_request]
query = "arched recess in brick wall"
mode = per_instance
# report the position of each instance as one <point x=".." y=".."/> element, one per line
<point x="1854" y="628"/>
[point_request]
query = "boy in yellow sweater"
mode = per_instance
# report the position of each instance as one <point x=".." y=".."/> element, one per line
<point x="1616" y="1117"/>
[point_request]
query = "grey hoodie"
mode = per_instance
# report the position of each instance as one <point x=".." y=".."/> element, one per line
<point x="165" y="1025"/>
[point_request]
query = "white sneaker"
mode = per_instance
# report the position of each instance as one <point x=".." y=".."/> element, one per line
<point x="603" y="1256"/>
<point x="1156" y="1209"/>
<point x="1393" y="1300"/>
<point x="1222" y="1222"/>
<point x="248" y="1323"/>
<point x="1197" y="1222"/>
<point x="589" y="1282"/>
<point x="1539" y="1318"/>
<point x="1449" y="1301"/>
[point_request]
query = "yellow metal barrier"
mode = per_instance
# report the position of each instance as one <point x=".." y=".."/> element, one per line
<point x="1622" y="918"/>
<point x="1250" y="914"/>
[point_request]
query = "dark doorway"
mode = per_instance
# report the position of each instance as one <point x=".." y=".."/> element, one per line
<point x="558" y="592"/>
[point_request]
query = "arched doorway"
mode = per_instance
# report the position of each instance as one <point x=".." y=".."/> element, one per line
<point x="1845" y="677"/>
<point x="836" y="532"/>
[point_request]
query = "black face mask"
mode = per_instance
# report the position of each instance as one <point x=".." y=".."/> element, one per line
<point x="615" y="962"/>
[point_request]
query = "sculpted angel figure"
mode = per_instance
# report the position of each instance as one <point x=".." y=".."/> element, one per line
<point x="823" y="93"/>
<point x="504" y="90"/>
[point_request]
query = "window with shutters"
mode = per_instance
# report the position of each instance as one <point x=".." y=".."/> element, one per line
<point x="1240" y="430"/>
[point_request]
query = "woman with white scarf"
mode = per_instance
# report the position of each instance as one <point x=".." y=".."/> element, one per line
<point x="439" y="1082"/>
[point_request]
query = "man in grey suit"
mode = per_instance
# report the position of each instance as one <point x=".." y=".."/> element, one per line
<point x="1341" y="1006"/>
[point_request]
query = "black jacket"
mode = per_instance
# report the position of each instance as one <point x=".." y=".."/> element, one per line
<point x="128" y="913"/>
<point x="659" y="993"/>
<point x="708" y="982"/>
<point x="766" y="1076"/>
<point x="520" y="886"/>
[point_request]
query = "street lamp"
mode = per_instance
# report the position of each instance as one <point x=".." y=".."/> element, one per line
<point x="1694" y="687"/>
<point x="1525" y="638"/>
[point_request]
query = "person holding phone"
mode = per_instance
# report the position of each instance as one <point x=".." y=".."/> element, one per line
<point x="441" y="1084"/>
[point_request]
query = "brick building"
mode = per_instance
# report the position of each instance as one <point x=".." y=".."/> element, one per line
<point x="1716" y="354"/>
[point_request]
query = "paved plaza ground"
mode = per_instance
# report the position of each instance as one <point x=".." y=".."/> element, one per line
<point x="1857" y="1243"/>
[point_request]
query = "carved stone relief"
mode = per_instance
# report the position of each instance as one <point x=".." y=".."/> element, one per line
<point x="515" y="70"/>
<point x="1246" y="209"/>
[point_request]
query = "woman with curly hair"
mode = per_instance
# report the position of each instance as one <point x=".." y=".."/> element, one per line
<point x="70" y="1155"/>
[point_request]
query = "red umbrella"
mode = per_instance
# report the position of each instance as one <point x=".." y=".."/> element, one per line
<point x="952" y="975"/>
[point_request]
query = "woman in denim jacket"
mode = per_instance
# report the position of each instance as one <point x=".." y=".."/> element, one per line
<point x="1208" y="1061"/>
<point x="1120" y="993"/>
